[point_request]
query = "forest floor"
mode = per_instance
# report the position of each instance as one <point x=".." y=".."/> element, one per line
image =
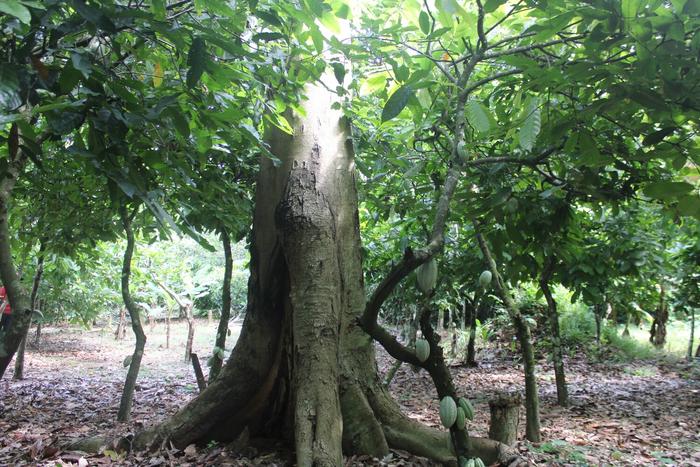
<point x="634" y="413"/>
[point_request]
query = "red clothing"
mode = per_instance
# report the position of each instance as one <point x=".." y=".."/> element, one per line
<point x="3" y="297"/>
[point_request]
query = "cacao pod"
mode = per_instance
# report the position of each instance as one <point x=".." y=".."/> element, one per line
<point x="427" y="276"/>
<point x="465" y="405"/>
<point x="448" y="411"/>
<point x="467" y="463"/>
<point x="478" y="462"/>
<point x="422" y="349"/>
<point x="461" y="421"/>
<point x="485" y="279"/>
<point x="462" y="151"/>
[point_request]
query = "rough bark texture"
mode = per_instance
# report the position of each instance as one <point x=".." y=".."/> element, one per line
<point x="532" y="404"/>
<point x="505" y="416"/>
<point x="222" y="330"/>
<point x="19" y="360"/>
<point x="16" y="295"/>
<point x="124" y="413"/>
<point x="555" y="338"/>
<point x="302" y="367"/>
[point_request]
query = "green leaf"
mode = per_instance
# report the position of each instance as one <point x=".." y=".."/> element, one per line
<point x="338" y="71"/>
<point x="196" y="59"/>
<point x="82" y="64"/>
<point x="478" y="117"/>
<point x="657" y="136"/>
<point x="158" y="9"/>
<point x="424" y="22"/>
<point x="492" y="5"/>
<point x="9" y="87"/>
<point x="531" y="126"/>
<point x="395" y="104"/>
<point x="16" y="9"/>
<point x="667" y="190"/>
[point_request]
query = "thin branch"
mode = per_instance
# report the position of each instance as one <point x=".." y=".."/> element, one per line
<point x="527" y="48"/>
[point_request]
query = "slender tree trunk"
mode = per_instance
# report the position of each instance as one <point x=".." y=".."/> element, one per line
<point x="658" y="326"/>
<point x="626" y="331"/>
<point x="553" y="318"/>
<point x="692" y="334"/>
<point x="19" y="360"/>
<point x="532" y="410"/>
<point x="37" y="335"/>
<point x="16" y="295"/>
<point x="121" y="325"/>
<point x="598" y="313"/>
<point x="167" y="326"/>
<point x="190" y="331"/>
<point x="124" y="413"/>
<point x="471" y="344"/>
<point x="222" y="331"/>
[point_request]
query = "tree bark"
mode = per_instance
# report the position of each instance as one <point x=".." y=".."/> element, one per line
<point x="124" y="413"/>
<point x="222" y="331"/>
<point x="555" y="337"/>
<point x="16" y="295"/>
<point x="302" y="368"/>
<point x="505" y="416"/>
<point x="471" y="344"/>
<point x="532" y="409"/>
<point x="658" y="326"/>
<point x="692" y="334"/>
<point x="121" y="325"/>
<point x="185" y="311"/>
<point x="19" y="360"/>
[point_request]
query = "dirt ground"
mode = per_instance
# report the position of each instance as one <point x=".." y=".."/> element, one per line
<point x="632" y="414"/>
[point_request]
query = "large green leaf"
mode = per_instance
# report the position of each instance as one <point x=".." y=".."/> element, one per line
<point x="395" y="104"/>
<point x="531" y="125"/>
<point x="197" y="60"/>
<point x="478" y="117"/>
<point x="16" y="9"/>
<point x="9" y="87"/>
<point x="667" y="190"/>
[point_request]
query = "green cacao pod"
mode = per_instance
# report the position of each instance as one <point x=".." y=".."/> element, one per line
<point x="485" y="279"/>
<point x="422" y="349"/>
<point x="448" y="411"/>
<point x="427" y="276"/>
<point x="461" y="421"/>
<point x="470" y="463"/>
<point x="465" y="405"/>
<point x="462" y="151"/>
<point x="478" y="462"/>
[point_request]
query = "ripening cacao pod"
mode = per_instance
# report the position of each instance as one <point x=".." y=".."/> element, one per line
<point x="485" y="279"/>
<point x="478" y="462"/>
<point x="427" y="276"/>
<point x="462" y="151"/>
<point x="422" y="349"/>
<point x="461" y="420"/>
<point x="467" y="407"/>
<point x="448" y="411"/>
<point x="469" y="463"/>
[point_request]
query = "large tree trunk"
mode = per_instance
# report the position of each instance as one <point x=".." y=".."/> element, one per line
<point x="553" y="318"/>
<point x="222" y="331"/>
<point x="124" y="413"/>
<point x="19" y="360"/>
<point x="532" y="404"/>
<point x="302" y="369"/>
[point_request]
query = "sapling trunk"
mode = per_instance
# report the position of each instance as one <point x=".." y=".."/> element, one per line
<point x="222" y="330"/>
<point x="555" y="339"/>
<point x="19" y="359"/>
<point x="532" y="412"/>
<point x="692" y="334"/>
<point x="127" y="398"/>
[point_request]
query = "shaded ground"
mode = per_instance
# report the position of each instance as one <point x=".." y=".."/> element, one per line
<point x="621" y="414"/>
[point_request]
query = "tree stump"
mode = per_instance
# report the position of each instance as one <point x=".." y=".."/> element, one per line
<point x="505" y="415"/>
